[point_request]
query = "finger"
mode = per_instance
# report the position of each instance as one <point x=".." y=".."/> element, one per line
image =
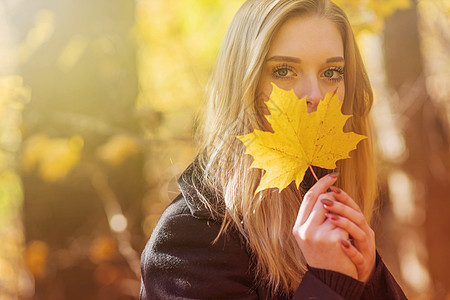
<point x="351" y="228"/>
<point x="343" y="197"/>
<point x="328" y="226"/>
<point x="365" y="267"/>
<point x="344" y="210"/>
<point x="310" y="198"/>
<point x="317" y="215"/>
<point x="355" y="256"/>
<point x="341" y="209"/>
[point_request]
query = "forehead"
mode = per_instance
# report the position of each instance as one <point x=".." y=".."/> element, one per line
<point x="311" y="35"/>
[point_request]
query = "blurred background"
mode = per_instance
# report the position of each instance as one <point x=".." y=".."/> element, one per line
<point x="97" y="112"/>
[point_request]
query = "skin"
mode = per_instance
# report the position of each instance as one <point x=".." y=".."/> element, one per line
<point x="302" y="59"/>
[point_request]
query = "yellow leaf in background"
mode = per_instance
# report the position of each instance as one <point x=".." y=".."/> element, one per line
<point x="13" y="93"/>
<point x="118" y="149"/>
<point x="55" y="157"/>
<point x="72" y="52"/>
<point x="36" y="256"/>
<point x="102" y="249"/>
<point x="384" y="9"/>
<point x="61" y="157"/>
<point x="33" y="150"/>
<point x="300" y="139"/>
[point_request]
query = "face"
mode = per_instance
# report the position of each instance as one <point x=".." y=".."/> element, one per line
<point x="306" y="55"/>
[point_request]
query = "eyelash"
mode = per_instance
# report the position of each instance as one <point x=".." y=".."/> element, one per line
<point x="289" y="68"/>
<point x="281" y="67"/>
<point x="337" y="69"/>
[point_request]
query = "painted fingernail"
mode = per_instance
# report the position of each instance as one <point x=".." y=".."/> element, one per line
<point x="335" y="189"/>
<point x="326" y="202"/>
<point x="334" y="175"/>
<point x="332" y="217"/>
<point x="345" y="243"/>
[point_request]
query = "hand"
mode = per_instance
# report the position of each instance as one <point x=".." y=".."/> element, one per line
<point x="318" y="238"/>
<point x="346" y="214"/>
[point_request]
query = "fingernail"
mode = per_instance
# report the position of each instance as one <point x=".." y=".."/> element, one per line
<point x="326" y="202"/>
<point x="334" y="175"/>
<point x="332" y="217"/>
<point x="335" y="189"/>
<point x="345" y="243"/>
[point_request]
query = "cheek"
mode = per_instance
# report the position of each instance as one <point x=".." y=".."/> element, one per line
<point x="341" y="91"/>
<point x="262" y="94"/>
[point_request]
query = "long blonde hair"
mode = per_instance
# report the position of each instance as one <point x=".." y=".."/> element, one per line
<point x="265" y="220"/>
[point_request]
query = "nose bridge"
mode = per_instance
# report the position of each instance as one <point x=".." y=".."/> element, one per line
<point x="309" y="87"/>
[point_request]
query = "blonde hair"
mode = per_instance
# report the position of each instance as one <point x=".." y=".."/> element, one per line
<point x="266" y="219"/>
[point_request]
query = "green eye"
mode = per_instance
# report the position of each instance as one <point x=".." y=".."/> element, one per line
<point x="282" y="72"/>
<point x="328" y="73"/>
<point x="333" y="74"/>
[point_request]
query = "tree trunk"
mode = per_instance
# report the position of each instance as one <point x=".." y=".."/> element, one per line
<point x="427" y="142"/>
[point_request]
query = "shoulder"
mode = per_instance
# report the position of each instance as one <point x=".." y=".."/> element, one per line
<point x="180" y="258"/>
<point x="178" y="231"/>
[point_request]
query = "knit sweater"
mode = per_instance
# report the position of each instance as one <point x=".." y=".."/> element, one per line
<point x="181" y="260"/>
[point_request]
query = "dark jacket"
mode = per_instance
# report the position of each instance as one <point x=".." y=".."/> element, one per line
<point x="180" y="261"/>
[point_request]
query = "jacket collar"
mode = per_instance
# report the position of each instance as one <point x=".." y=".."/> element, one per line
<point x="196" y="194"/>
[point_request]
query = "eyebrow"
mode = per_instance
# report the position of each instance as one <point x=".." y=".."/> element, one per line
<point x="335" y="59"/>
<point x="286" y="59"/>
<point x="298" y="60"/>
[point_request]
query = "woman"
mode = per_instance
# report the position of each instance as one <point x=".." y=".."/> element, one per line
<point x="219" y="240"/>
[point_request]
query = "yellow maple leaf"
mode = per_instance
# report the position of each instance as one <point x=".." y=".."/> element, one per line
<point x="300" y="139"/>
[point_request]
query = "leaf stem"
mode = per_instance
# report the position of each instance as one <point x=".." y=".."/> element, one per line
<point x="314" y="174"/>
